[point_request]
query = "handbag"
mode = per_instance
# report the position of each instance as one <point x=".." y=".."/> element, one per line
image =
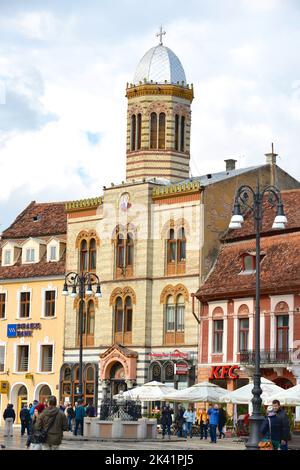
<point x="266" y="445"/>
<point x="40" y="436"/>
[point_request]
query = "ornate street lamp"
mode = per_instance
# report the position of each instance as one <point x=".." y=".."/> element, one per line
<point x="82" y="285"/>
<point x="252" y="200"/>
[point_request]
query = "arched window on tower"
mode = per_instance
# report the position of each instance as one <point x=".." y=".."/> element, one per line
<point x="162" y="131"/>
<point x="123" y="320"/>
<point x="182" y="134"/>
<point x="181" y="245"/>
<point x="124" y="245"/>
<point x="153" y="131"/>
<point x="92" y="254"/>
<point x="176" y="132"/>
<point x="88" y="323"/>
<point x="139" y="131"/>
<point x="174" y="320"/>
<point x="133" y="132"/>
<point x="83" y="256"/>
<point x="129" y="250"/>
<point x="120" y="251"/>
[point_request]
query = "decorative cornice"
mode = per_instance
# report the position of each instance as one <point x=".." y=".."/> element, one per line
<point x="83" y="204"/>
<point x="175" y="189"/>
<point x="186" y="92"/>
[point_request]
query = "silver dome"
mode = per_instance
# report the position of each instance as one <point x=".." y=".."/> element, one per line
<point x="159" y="64"/>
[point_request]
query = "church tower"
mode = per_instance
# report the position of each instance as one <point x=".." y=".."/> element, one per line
<point x="158" y="118"/>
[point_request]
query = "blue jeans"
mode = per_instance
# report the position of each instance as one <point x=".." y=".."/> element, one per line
<point x="220" y="428"/>
<point x="78" y="422"/>
<point x="284" y="446"/>
<point x="70" y="421"/>
<point x="188" y="428"/>
<point x="213" y="432"/>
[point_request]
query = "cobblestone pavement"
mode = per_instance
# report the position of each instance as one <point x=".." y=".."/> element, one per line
<point x="71" y="442"/>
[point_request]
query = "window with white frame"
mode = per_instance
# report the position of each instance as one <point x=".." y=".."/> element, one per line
<point x="2" y="358"/>
<point x="218" y="328"/>
<point x="2" y="305"/>
<point x="30" y="255"/>
<point x="53" y="253"/>
<point x="22" y="362"/>
<point x="7" y="257"/>
<point x="46" y="358"/>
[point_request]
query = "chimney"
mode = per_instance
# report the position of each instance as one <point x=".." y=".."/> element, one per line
<point x="230" y="164"/>
<point x="271" y="157"/>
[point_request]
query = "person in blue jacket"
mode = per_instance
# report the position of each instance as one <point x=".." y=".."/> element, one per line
<point x="213" y="414"/>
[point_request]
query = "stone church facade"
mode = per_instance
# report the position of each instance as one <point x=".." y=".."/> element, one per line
<point x="152" y="240"/>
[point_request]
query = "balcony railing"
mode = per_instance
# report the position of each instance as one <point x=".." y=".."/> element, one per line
<point x="270" y="356"/>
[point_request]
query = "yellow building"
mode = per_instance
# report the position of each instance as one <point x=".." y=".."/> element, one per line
<point x="32" y="267"/>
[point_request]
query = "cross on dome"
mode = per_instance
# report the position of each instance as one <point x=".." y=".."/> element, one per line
<point x="160" y="35"/>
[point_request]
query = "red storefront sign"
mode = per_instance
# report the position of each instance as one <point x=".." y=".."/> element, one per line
<point x="176" y="354"/>
<point x="181" y="369"/>
<point x="224" y="372"/>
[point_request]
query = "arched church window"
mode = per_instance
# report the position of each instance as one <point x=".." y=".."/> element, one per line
<point x="83" y="256"/>
<point x="123" y="320"/>
<point x="92" y="254"/>
<point x="139" y="131"/>
<point x="153" y="131"/>
<point x="124" y="245"/>
<point x="181" y="245"/>
<point x="171" y="255"/>
<point x="162" y="131"/>
<point x="133" y="131"/>
<point x="182" y="134"/>
<point x="176" y="132"/>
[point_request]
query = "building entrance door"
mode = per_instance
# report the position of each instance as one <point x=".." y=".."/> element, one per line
<point x="117" y="379"/>
<point x="22" y="400"/>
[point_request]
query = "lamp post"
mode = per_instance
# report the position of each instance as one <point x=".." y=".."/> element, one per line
<point x="252" y="200"/>
<point x="82" y="285"/>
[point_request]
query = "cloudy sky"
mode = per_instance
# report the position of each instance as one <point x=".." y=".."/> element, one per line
<point x="64" y="66"/>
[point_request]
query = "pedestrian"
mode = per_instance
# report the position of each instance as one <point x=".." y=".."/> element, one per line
<point x="9" y="417"/>
<point x="90" y="410"/>
<point x="71" y="416"/>
<point x="166" y="420"/>
<point x="54" y="422"/>
<point x="180" y="421"/>
<point x="62" y="406"/>
<point x="202" y="420"/>
<point x="270" y="428"/>
<point x="33" y="440"/>
<point x="213" y="414"/>
<point x="80" y="414"/>
<point x="31" y="409"/>
<point x="221" y="422"/>
<point x="284" y="424"/>
<point x="25" y="420"/>
<point x="190" y="418"/>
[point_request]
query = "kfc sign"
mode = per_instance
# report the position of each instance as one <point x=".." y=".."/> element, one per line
<point x="224" y="372"/>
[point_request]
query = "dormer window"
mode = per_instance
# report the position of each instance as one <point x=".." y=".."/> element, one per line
<point x="249" y="263"/>
<point x="7" y="257"/>
<point x="30" y="255"/>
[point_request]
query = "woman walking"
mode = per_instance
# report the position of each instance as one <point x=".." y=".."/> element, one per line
<point x="221" y="422"/>
<point x="33" y="441"/>
<point x="190" y="418"/>
<point x="9" y="417"/>
<point x="271" y="428"/>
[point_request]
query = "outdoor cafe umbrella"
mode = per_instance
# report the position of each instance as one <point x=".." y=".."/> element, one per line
<point x="244" y="395"/>
<point x="200" y="392"/>
<point x="290" y="396"/>
<point x="151" y="391"/>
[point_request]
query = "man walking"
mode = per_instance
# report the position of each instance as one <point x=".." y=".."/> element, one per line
<point x="9" y="417"/>
<point x="25" y="420"/>
<point x="284" y="424"/>
<point x="54" y="422"/>
<point x="80" y="414"/>
<point x="179" y="420"/>
<point x="213" y="414"/>
<point x="166" y="420"/>
<point x="70" y="416"/>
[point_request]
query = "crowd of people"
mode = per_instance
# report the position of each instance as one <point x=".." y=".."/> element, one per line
<point x="211" y="421"/>
<point x="45" y="422"/>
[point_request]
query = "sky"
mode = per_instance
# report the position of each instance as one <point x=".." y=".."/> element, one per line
<point x="64" y="66"/>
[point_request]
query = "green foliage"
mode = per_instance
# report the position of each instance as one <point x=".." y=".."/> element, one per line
<point x="291" y="418"/>
<point x="229" y="423"/>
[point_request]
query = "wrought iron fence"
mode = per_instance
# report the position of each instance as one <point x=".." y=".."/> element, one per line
<point x="267" y="356"/>
<point x="127" y="410"/>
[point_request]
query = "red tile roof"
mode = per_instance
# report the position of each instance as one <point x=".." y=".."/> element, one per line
<point x="291" y="201"/>
<point x="51" y="220"/>
<point x="42" y="269"/>
<point x="280" y="268"/>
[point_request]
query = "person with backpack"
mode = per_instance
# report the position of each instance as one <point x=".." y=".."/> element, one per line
<point x="80" y="414"/>
<point x="9" y="417"/>
<point x="70" y="416"/>
<point x="51" y="424"/>
<point x="25" y="420"/>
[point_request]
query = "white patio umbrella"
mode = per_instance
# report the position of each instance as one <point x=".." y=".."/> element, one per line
<point x="151" y="391"/>
<point x="244" y="395"/>
<point x="200" y="392"/>
<point x="290" y="396"/>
